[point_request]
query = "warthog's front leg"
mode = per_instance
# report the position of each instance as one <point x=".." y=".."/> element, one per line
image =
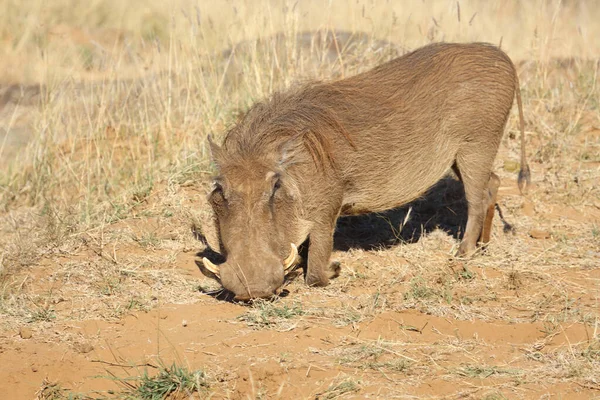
<point x="319" y="269"/>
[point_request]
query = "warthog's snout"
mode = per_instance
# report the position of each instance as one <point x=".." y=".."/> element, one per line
<point x="246" y="285"/>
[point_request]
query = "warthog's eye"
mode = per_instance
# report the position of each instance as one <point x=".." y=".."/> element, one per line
<point x="275" y="192"/>
<point x="276" y="185"/>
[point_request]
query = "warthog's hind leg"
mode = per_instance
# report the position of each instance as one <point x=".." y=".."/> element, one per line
<point x="489" y="202"/>
<point x="473" y="166"/>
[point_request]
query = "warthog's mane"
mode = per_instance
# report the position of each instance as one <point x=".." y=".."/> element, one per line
<point x="291" y="124"/>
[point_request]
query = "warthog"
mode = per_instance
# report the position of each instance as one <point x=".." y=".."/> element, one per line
<point x="297" y="161"/>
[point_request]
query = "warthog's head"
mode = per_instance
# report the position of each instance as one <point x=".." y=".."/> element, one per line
<point x="255" y="204"/>
<point x="270" y="169"/>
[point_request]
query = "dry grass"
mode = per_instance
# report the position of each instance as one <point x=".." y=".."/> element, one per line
<point x="104" y="111"/>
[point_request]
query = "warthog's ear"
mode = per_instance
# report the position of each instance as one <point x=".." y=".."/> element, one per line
<point x="216" y="152"/>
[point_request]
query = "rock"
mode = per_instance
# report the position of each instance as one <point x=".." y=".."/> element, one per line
<point x="511" y="166"/>
<point x="539" y="234"/>
<point x="528" y="209"/>
<point x="171" y="236"/>
<point x="83" y="347"/>
<point x="25" y="333"/>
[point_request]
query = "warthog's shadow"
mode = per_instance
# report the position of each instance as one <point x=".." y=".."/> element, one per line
<point x="442" y="207"/>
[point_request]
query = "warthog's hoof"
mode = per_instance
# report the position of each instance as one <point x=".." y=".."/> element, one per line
<point x="336" y="269"/>
<point x="316" y="280"/>
<point x="322" y="279"/>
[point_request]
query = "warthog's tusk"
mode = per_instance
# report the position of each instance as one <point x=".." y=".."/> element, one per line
<point x="211" y="267"/>
<point x="291" y="259"/>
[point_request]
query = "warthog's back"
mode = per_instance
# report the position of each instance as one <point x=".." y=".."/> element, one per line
<point x="395" y="130"/>
<point x="409" y="117"/>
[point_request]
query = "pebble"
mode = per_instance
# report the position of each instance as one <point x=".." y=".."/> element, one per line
<point x="25" y="333"/>
<point x="539" y="234"/>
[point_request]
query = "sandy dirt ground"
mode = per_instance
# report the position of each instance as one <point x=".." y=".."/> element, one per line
<point x="402" y="321"/>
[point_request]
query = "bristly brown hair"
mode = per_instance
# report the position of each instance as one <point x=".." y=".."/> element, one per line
<point x="289" y="123"/>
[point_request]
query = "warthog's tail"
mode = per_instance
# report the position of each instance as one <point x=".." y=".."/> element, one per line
<point x="524" y="180"/>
